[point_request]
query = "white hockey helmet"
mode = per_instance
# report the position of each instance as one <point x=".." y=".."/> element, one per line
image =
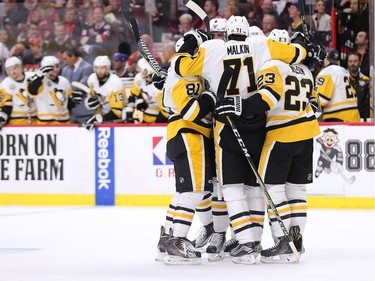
<point x="102" y="61"/>
<point x="255" y="31"/>
<point x="12" y="61"/>
<point x="179" y="43"/>
<point x="280" y="35"/>
<point x="141" y="64"/>
<point x="49" y="60"/>
<point x="218" y="25"/>
<point x="147" y="70"/>
<point x="237" y="25"/>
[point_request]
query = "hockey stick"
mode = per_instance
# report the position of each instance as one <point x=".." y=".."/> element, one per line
<point x="225" y="78"/>
<point x="303" y="18"/>
<point x="142" y="48"/>
<point x="83" y="87"/>
<point x="199" y="12"/>
<point x="347" y="180"/>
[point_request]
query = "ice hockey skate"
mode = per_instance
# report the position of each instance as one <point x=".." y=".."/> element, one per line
<point x="215" y="248"/>
<point x="181" y="251"/>
<point x="204" y="236"/>
<point x="246" y="253"/>
<point x="162" y="245"/>
<point x="230" y="245"/>
<point x="281" y="252"/>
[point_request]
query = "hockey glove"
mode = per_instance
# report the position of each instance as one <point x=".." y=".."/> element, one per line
<point x="3" y="119"/>
<point x="159" y="81"/>
<point x="77" y="96"/>
<point x="92" y="102"/>
<point x="141" y="104"/>
<point x="315" y="52"/>
<point x="314" y="102"/>
<point x="92" y="121"/>
<point x="300" y="38"/>
<point x="229" y="106"/>
<point x="127" y="114"/>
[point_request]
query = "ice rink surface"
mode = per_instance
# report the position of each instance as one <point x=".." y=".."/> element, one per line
<point x="119" y="243"/>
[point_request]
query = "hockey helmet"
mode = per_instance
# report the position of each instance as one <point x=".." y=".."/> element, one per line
<point x="218" y="25"/>
<point x="179" y="43"/>
<point x="255" y="31"/>
<point x="279" y="35"/>
<point x="102" y="61"/>
<point x="12" y="61"/>
<point x="147" y="70"/>
<point x="333" y="56"/>
<point x="49" y="60"/>
<point x="237" y="25"/>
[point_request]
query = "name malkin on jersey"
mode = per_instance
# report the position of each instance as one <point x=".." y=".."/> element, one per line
<point x="238" y="49"/>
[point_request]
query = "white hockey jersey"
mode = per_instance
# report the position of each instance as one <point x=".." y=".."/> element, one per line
<point x="286" y="89"/>
<point x="14" y="94"/>
<point x="337" y="97"/>
<point x="112" y="93"/>
<point x="245" y="57"/>
<point x="52" y="101"/>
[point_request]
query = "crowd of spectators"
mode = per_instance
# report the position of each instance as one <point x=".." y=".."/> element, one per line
<point x="33" y="29"/>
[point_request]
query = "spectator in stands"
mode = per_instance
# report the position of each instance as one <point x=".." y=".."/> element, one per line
<point x="6" y="39"/>
<point x="72" y="24"/>
<point x="268" y="24"/>
<point x="30" y="5"/>
<point x="33" y="58"/>
<point x="230" y="11"/>
<point x="211" y="7"/>
<point x="362" y="49"/>
<point x="321" y="24"/>
<point x="18" y="50"/>
<point x="361" y="84"/>
<point x="295" y="16"/>
<point x="267" y="8"/>
<point x="77" y="69"/>
<point x="59" y="41"/>
<point x="95" y="36"/>
<point x="355" y="17"/>
<point x="16" y="14"/>
<point x="167" y="52"/>
<point x="119" y="65"/>
<point x="30" y="34"/>
<point x="185" y="23"/>
<point x="44" y="14"/>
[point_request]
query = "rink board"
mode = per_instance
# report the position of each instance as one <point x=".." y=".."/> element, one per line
<point x="126" y="165"/>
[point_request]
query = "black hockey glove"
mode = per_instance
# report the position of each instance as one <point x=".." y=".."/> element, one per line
<point x="141" y="104"/>
<point x="92" y="102"/>
<point x="229" y="106"/>
<point x="92" y="121"/>
<point x="301" y="39"/>
<point x="3" y="121"/>
<point x="159" y="81"/>
<point x="315" y="52"/>
<point x="77" y="96"/>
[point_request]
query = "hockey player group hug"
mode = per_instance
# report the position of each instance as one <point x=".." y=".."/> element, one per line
<point x="269" y="96"/>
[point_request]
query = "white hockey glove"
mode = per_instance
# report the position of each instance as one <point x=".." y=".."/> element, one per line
<point x="336" y="167"/>
<point x="92" y="121"/>
<point x="229" y="106"/>
<point x="92" y="102"/>
<point x="159" y="81"/>
<point x="315" y="106"/>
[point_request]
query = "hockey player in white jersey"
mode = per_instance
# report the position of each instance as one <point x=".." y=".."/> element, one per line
<point x="107" y="94"/>
<point x="50" y="92"/>
<point x="16" y="107"/>
<point x="190" y="147"/>
<point x="284" y="93"/>
<point x="337" y="97"/>
<point x="146" y="97"/>
<point x="218" y="28"/>
<point x="240" y="189"/>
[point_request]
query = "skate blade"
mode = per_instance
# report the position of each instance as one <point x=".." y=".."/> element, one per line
<point x="288" y="258"/>
<point x="215" y="257"/>
<point x="160" y="256"/>
<point x="246" y="259"/>
<point x="175" y="260"/>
